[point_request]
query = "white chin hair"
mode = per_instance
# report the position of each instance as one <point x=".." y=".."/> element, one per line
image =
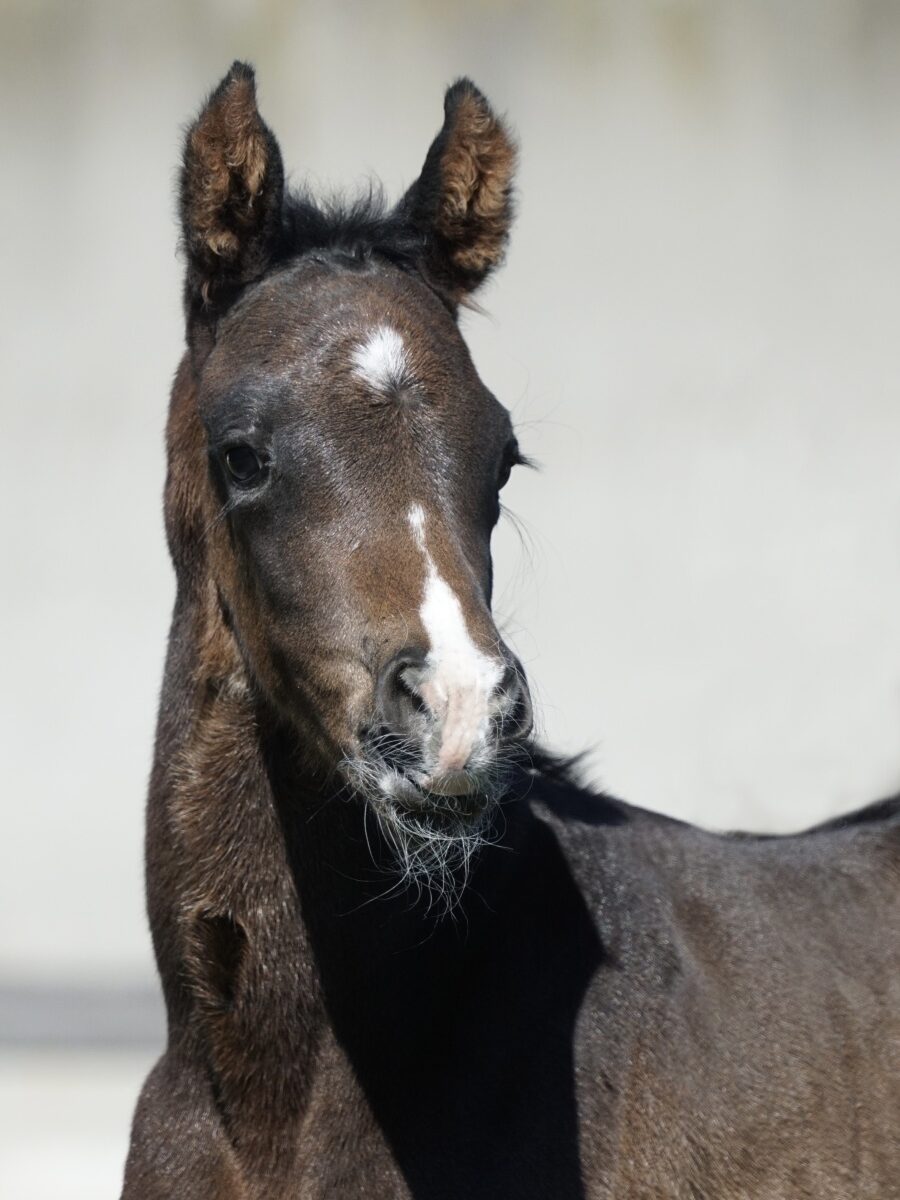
<point x="434" y="835"/>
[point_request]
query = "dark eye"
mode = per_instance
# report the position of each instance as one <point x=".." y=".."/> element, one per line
<point x="243" y="464"/>
<point x="511" y="458"/>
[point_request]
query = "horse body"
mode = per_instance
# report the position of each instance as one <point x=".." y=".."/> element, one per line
<point x="617" y="1005"/>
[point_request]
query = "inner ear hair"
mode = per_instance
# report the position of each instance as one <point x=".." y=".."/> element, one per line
<point x="232" y="190"/>
<point x="462" y="203"/>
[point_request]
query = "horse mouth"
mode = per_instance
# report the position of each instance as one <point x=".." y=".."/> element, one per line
<point x="433" y="825"/>
<point x="393" y="775"/>
<point x="459" y="783"/>
<point x="460" y="796"/>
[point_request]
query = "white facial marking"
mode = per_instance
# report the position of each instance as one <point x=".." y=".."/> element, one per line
<point x="381" y="360"/>
<point x="461" y="680"/>
<point x="416" y="518"/>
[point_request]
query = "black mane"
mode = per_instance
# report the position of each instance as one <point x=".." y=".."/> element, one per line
<point x="356" y="228"/>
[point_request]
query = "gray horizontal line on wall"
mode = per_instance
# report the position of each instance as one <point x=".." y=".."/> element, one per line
<point x="75" y="1017"/>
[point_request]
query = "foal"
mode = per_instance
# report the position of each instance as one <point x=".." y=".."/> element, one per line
<point x="623" y="1006"/>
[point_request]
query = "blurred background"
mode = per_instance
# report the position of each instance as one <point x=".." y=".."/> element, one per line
<point x="697" y="334"/>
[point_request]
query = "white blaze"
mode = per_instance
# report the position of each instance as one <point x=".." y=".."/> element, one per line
<point x="381" y="360"/>
<point x="461" y="679"/>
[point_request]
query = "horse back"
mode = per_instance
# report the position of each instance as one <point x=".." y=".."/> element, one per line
<point x="748" y="1006"/>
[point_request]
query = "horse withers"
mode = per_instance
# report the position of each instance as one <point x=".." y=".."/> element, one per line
<point x="404" y="953"/>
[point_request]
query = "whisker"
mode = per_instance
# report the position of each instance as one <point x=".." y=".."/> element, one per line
<point x="432" y="844"/>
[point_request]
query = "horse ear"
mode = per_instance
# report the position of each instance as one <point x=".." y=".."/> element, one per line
<point x="461" y="204"/>
<point x="232" y="187"/>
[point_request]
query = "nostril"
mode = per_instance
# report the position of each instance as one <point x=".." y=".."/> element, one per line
<point x="408" y="698"/>
<point x="517" y="714"/>
<point x="399" y="704"/>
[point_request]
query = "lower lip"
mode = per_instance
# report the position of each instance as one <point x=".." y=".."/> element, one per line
<point x="458" y="784"/>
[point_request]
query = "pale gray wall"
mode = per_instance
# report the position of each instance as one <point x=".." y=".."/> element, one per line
<point x="696" y="329"/>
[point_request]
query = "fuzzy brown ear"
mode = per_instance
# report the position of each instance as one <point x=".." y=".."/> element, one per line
<point x="232" y="187"/>
<point x="461" y="204"/>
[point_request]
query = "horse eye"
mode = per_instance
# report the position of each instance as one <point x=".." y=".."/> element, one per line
<point x="243" y="464"/>
<point x="511" y="458"/>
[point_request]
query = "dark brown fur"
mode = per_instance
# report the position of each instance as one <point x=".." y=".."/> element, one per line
<point x="621" y="1006"/>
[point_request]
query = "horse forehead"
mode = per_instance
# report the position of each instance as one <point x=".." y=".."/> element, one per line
<point x="335" y="350"/>
<point x="372" y="324"/>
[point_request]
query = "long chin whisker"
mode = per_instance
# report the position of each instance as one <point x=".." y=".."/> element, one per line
<point x="433" y="839"/>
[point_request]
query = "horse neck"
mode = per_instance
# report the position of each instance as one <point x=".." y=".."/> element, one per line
<point x="295" y="969"/>
<point x="276" y="863"/>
